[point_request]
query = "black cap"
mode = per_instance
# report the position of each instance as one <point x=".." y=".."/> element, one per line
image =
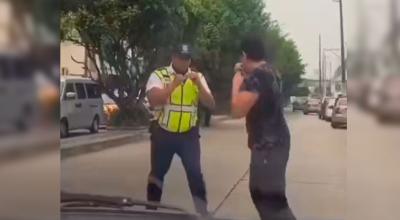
<point x="183" y="50"/>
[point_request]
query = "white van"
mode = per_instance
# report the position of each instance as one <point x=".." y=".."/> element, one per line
<point x="81" y="105"/>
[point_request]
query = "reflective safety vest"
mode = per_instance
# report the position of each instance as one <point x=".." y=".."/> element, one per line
<point x="180" y="113"/>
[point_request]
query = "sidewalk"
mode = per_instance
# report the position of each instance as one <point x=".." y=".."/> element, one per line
<point x="87" y="143"/>
<point x="81" y="142"/>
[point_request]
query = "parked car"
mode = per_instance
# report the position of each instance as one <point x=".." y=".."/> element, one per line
<point x="389" y="100"/>
<point x="323" y="104"/>
<point x="81" y="105"/>
<point x="339" y="115"/>
<point x="312" y="105"/>
<point x="327" y="108"/>
<point x="298" y="104"/>
<point x="110" y="108"/>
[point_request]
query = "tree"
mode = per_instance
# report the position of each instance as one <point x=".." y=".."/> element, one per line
<point x="290" y="64"/>
<point x="300" y="91"/>
<point x="125" y="40"/>
<point x="219" y="27"/>
<point x="129" y="39"/>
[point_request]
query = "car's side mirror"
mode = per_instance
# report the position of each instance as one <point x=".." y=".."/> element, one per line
<point x="70" y="95"/>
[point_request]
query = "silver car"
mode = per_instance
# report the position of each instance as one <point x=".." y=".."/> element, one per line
<point x="339" y="114"/>
<point x="313" y="105"/>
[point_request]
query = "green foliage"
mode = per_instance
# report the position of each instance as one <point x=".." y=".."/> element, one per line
<point x="300" y="92"/>
<point x="125" y="40"/>
<point x="129" y="39"/>
<point x="290" y="65"/>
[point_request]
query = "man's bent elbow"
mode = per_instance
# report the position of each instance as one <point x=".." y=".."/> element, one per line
<point x="211" y="105"/>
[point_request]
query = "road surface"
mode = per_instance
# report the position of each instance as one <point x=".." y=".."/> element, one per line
<point x="316" y="171"/>
<point x="331" y="175"/>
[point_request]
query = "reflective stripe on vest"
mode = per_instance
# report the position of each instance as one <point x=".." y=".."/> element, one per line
<point x="180" y="113"/>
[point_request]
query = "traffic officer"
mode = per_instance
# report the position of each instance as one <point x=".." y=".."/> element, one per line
<point x="176" y="91"/>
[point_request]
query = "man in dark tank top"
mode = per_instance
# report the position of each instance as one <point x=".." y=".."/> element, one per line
<point x="256" y="95"/>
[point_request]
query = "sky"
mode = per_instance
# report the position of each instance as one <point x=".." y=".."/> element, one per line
<point x="304" y="20"/>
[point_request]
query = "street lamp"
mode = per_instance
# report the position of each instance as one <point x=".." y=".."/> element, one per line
<point x="342" y="42"/>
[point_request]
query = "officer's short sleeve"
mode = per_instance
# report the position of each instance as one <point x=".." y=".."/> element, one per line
<point x="203" y="81"/>
<point x="154" y="82"/>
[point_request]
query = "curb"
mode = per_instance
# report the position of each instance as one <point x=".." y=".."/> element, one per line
<point x="110" y="128"/>
<point x="92" y="147"/>
<point x="140" y="135"/>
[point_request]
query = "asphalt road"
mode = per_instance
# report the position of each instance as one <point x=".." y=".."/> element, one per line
<point x="373" y="176"/>
<point x="331" y="175"/>
<point x="316" y="172"/>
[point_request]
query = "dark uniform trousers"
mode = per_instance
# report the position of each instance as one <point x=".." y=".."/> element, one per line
<point x="187" y="146"/>
<point x="267" y="183"/>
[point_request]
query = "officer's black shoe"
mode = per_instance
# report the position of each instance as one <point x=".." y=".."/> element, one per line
<point x="153" y="195"/>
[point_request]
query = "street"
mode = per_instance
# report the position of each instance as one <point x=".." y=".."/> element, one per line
<point x="373" y="180"/>
<point x="316" y="171"/>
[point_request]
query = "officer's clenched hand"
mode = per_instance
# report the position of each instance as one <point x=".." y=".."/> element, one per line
<point x="160" y="96"/>
<point x="195" y="77"/>
<point x="179" y="79"/>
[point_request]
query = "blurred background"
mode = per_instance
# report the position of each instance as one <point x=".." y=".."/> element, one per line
<point x="29" y="70"/>
<point x="373" y="60"/>
<point x="29" y="97"/>
<point x="373" y="182"/>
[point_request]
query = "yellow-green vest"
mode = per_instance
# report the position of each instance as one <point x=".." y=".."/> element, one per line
<point x="179" y="115"/>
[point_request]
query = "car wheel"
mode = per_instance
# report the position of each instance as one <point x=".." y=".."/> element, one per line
<point x="64" y="128"/>
<point x="306" y="113"/>
<point x="333" y="125"/>
<point x="95" y="125"/>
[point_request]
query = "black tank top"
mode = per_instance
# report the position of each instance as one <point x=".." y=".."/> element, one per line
<point x="265" y="123"/>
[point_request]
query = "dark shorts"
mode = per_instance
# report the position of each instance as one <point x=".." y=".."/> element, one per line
<point x="268" y="182"/>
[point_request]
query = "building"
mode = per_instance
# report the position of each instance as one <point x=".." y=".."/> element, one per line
<point x="74" y="61"/>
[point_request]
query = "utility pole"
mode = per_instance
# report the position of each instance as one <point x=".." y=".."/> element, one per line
<point x="323" y="72"/>
<point x="342" y="44"/>
<point x="332" y="77"/>
<point x="320" y="66"/>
